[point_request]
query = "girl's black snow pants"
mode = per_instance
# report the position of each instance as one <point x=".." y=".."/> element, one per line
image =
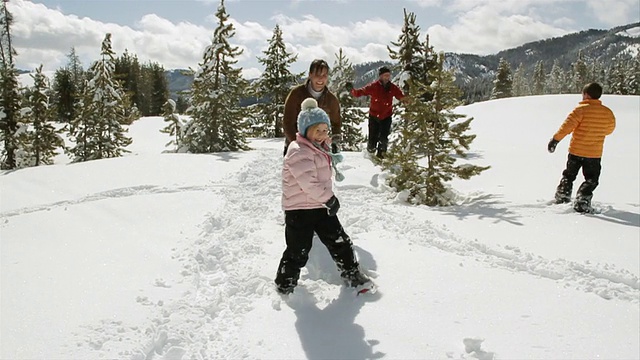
<point x="299" y="228"/>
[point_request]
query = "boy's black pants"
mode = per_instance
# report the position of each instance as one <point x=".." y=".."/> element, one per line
<point x="378" y="134"/>
<point x="591" y="168"/>
<point x="299" y="228"/>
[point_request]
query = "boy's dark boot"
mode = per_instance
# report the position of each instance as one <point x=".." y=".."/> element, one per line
<point x="583" y="203"/>
<point x="354" y="277"/>
<point x="380" y="154"/>
<point x="284" y="290"/>
<point x="563" y="192"/>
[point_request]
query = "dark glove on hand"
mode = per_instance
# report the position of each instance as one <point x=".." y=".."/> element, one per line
<point x="348" y="86"/>
<point x="335" y="143"/>
<point x="552" y="145"/>
<point x="332" y="205"/>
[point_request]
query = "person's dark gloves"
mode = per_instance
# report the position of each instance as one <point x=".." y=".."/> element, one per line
<point x="552" y="145"/>
<point x="348" y="86"/>
<point x="332" y="205"/>
<point x="335" y="143"/>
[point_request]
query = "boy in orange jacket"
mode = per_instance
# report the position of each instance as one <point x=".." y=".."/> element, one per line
<point x="590" y="122"/>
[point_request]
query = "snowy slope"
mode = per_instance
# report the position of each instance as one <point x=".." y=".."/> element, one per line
<point x="171" y="256"/>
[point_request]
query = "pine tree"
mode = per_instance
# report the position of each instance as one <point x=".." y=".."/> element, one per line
<point x="617" y="78"/>
<point x="410" y="51"/>
<point x="502" y="85"/>
<point x="182" y="104"/>
<point x="67" y="87"/>
<point x="174" y="123"/>
<point x="98" y="129"/>
<point x="217" y="119"/>
<point x="65" y="95"/>
<point x="350" y="115"/>
<point x="633" y="76"/>
<point x="39" y="139"/>
<point x="10" y="98"/>
<point x="539" y="78"/>
<point x="273" y="86"/>
<point x="520" y="82"/>
<point x="159" y="92"/>
<point x="556" y="82"/>
<point x="580" y="73"/>
<point x="431" y="134"/>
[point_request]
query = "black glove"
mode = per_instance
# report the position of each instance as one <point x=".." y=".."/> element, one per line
<point x="348" y="85"/>
<point x="332" y="205"/>
<point x="335" y="143"/>
<point x="552" y="145"/>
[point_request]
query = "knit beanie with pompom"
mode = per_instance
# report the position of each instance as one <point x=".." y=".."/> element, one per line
<point x="310" y="115"/>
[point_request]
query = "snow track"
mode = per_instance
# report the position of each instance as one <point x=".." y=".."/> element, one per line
<point x="230" y="262"/>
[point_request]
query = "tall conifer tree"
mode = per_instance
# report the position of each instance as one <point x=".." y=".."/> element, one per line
<point x="10" y="98"/>
<point x="98" y="129"/>
<point x="431" y="139"/>
<point x="350" y="115"/>
<point x="274" y="85"/>
<point x="39" y="140"/>
<point x="410" y="51"/>
<point x="539" y="78"/>
<point x="503" y="83"/>
<point x="217" y="118"/>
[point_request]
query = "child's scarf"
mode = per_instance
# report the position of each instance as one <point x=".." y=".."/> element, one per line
<point x="335" y="158"/>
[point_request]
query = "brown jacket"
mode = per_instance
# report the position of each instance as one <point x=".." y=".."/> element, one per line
<point x="589" y="122"/>
<point x="327" y="102"/>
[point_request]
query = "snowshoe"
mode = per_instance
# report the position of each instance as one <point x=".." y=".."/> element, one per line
<point x="284" y="290"/>
<point x="359" y="281"/>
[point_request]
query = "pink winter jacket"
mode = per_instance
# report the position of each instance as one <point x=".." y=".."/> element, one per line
<point x="306" y="176"/>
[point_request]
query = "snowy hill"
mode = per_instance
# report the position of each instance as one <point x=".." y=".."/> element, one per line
<point x="172" y="256"/>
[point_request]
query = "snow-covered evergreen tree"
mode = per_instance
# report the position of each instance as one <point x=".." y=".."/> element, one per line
<point x="431" y="139"/>
<point x="350" y="115"/>
<point x="174" y="123"/>
<point x="410" y="50"/>
<point x="617" y="78"/>
<point x="580" y="73"/>
<point x="98" y="130"/>
<point x="273" y="86"/>
<point x="38" y="139"/>
<point x="503" y="83"/>
<point x="633" y="76"/>
<point x="520" y="82"/>
<point x="539" y="79"/>
<point x="10" y="97"/>
<point x="217" y="119"/>
<point x="556" y="81"/>
<point x="67" y="88"/>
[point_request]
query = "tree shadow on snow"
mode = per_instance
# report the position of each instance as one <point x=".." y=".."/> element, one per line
<point x="483" y="206"/>
<point x="331" y="332"/>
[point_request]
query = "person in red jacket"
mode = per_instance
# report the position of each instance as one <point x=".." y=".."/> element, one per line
<point x="382" y="92"/>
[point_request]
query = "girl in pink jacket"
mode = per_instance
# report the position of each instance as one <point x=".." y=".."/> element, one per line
<point x="309" y="203"/>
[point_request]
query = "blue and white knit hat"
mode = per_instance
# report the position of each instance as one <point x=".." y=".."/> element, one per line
<point x="311" y="114"/>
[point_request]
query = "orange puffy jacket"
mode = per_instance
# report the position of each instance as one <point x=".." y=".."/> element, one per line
<point x="589" y="122"/>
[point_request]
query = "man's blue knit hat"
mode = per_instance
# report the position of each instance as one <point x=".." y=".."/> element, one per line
<point x="311" y="114"/>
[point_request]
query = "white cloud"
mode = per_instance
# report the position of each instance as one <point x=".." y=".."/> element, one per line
<point x="484" y="26"/>
<point x="44" y="35"/>
<point x="616" y="12"/>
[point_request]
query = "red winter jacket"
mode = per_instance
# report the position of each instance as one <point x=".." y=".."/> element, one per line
<point x="381" y="99"/>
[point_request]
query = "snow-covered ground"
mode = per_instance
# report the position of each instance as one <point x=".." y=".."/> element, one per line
<point x="171" y="256"/>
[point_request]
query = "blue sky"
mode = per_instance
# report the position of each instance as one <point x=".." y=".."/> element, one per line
<point x="174" y="33"/>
